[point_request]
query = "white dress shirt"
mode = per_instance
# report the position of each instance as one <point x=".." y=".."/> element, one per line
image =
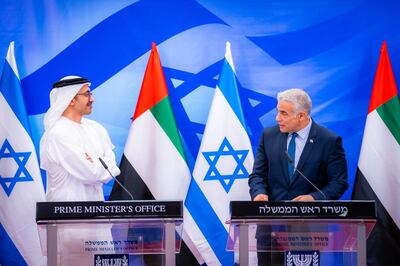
<point x="300" y="140"/>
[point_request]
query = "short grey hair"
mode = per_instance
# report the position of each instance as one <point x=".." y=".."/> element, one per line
<point x="298" y="97"/>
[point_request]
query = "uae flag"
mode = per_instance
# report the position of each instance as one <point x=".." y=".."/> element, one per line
<point x="153" y="166"/>
<point x="378" y="173"/>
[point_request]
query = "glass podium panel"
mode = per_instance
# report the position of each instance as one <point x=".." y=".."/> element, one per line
<point x="301" y="235"/>
<point x="112" y="239"/>
<point x="299" y="239"/>
<point x="138" y="237"/>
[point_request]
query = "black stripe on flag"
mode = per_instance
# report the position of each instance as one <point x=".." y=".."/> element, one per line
<point x="135" y="185"/>
<point x="132" y="182"/>
<point x="383" y="245"/>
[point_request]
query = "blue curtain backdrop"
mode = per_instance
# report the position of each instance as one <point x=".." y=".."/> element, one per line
<point x="330" y="48"/>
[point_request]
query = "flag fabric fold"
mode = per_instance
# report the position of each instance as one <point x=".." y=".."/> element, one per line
<point x="21" y="184"/>
<point x="222" y="168"/>
<point x="378" y="170"/>
<point x="153" y="165"/>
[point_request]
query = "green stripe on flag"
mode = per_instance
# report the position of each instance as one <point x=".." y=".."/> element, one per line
<point x="162" y="111"/>
<point x="390" y="114"/>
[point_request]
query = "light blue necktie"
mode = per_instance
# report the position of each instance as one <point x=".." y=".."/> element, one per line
<point x="292" y="153"/>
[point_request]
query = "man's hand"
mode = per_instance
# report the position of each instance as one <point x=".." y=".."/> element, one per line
<point x="304" y="198"/>
<point x="261" y="197"/>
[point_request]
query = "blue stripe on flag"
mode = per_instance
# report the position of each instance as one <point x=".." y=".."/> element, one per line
<point x="103" y="51"/>
<point x="208" y="222"/>
<point x="9" y="254"/>
<point x="228" y="85"/>
<point x="10" y="87"/>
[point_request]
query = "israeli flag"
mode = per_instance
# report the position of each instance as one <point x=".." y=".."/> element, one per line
<point x="222" y="167"/>
<point x="20" y="180"/>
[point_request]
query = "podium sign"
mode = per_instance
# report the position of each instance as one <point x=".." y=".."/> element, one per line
<point x="88" y="233"/>
<point x="292" y="227"/>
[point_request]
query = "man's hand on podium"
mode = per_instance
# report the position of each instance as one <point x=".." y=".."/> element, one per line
<point x="261" y="197"/>
<point x="304" y="198"/>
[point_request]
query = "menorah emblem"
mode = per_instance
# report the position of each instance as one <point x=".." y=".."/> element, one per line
<point x="302" y="258"/>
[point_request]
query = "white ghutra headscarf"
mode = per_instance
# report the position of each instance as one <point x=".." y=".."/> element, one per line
<point x="60" y="96"/>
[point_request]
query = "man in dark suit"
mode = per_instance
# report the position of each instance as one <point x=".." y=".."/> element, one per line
<point x="316" y="152"/>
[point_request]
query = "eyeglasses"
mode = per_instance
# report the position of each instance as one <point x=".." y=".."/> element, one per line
<point x="86" y="94"/>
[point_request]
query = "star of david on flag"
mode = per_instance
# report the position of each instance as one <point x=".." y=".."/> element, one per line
<point x="20" y="178"/>
<point x="223" y="171"/>
<point x="21" y="174"/>
<point x="226" y="156"/>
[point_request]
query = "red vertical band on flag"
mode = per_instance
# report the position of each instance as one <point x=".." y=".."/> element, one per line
<point x="384" y="84"/>
<point x="154" y="87"/>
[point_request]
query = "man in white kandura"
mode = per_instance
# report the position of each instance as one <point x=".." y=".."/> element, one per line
<point x="72" y="145"/>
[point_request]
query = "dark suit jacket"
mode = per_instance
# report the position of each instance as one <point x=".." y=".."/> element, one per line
<point x="322" y="161"/>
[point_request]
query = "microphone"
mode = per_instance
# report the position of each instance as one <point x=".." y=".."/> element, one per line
<point x="290" y="160"/>
<point x="119" y="183"/>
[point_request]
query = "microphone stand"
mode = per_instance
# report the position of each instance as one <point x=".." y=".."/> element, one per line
<point x="119" y="183"/>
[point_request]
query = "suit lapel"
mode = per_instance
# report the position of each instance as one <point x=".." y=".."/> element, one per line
<point x="312" y="137"/>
